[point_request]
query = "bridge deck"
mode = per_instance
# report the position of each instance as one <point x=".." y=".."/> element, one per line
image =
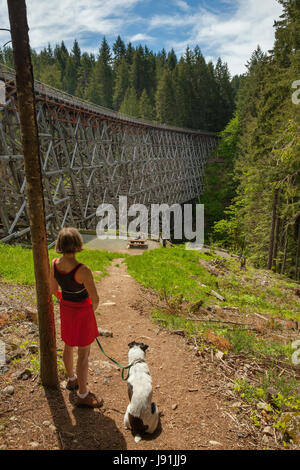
<point x="48" y="93"/>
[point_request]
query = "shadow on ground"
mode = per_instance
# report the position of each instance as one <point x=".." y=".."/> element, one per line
<point x="152" y="437"/>
<point x="92" y="429"/>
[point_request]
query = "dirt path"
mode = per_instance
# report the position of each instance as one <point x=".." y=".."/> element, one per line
<point x="179" y="379"/>
<point x="190" y="391"/>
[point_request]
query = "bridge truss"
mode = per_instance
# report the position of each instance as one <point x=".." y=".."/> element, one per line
<point x="90" y="155"/>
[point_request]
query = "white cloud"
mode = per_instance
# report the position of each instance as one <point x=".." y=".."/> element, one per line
<point x="172" y="21"/>
<point x="57" y="20"/>
<point x="141" y="37"/>
<point x="233" y="37"/>
<point x="182" y="5"/>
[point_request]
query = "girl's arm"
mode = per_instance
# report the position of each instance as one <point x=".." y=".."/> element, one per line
<point x="53" y="282"/>
<point x="84" y="276"/>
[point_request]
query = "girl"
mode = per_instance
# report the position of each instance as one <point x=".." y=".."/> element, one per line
<point x="78" y="302"/>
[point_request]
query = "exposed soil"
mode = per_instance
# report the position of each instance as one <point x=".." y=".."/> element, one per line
<point x="198" y="407"/>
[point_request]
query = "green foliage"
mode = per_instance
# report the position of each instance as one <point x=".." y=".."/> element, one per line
<point x="172" y="272"/>
<point x="35" y="364"/>
<point x="248" y="392"/>
<point x="50" y="74"/>
<point x="165" y="99"/>
<point x="187" y="93"/>
<point x="99" y="90"/>
<point x="262" y="199"/>
<point x="247" y="341"/>
<point x="184" y="286"/>
<point x="16" y="262"/>
<point x="286" y="399"/>
<point x="121" y="83"/>
<point x="227" y="231"/>
<point x="146" y="110"/>
<point x="119" y="51"/>
<point x="220" y="187"/>
<point x="130" y="104"/>
<point x="178" y="273"/>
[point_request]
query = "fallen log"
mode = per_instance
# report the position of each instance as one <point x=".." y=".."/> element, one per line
<point x="218" y="296"/>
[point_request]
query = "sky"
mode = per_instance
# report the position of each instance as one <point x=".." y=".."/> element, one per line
<point x="230" y="29"/>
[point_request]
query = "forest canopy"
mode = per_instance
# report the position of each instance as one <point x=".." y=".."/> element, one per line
<point x="253" y="198"/>
<point x="186" y="92"/>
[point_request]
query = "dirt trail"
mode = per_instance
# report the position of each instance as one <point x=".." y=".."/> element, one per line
<point x="179" y="379"/>
<point x="189" y="390"/>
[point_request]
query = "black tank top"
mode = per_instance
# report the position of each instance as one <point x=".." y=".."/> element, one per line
<point x="71" y="290"/>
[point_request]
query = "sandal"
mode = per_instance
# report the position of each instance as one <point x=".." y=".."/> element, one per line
<point x="90" y="401"/>
<point x="72" y="384"/>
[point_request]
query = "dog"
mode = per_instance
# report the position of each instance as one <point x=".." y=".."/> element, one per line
<point x="142" y="416"/>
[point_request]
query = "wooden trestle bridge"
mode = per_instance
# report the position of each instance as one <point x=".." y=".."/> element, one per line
<point x="90" y="155"/>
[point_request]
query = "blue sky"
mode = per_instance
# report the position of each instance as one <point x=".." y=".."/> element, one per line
<point x="230" y="29"/>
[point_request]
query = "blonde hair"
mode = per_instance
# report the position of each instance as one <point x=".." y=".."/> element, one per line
<point x="69" y="240"/>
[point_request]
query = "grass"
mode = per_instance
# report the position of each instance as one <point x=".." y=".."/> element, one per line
<point x="249" y="293"/>
<point x="247" y="341"/>
<point x="179" y="274"/>
<point x="16" y="262"/>
<point x="241" y="340"/>
<point x="177" y="271"/>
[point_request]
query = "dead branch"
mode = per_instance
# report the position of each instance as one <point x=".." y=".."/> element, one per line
<point x="205" y="320"/>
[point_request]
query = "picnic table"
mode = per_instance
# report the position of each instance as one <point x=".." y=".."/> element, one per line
<point x="137" y="243"/>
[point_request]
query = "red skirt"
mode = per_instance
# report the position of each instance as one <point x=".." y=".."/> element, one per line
<point x="78" y="324"/>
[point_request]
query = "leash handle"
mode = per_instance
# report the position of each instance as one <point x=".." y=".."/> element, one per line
<point x="119" y="365"/>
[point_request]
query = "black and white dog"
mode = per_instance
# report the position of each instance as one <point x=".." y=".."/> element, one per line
<point x="142" y="416"/>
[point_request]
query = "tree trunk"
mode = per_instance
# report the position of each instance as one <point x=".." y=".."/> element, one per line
<point x="272" y="234"/>
<point x="276" y="236"/>
<point x="286" y="239"/>
<point x="34" y="189"/>
<point x="297" y="276"/>
<point x="281" y="241"/>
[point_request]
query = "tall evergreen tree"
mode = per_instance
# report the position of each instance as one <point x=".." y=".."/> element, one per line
<point x="137" y="73"/>
<point x="50" y="74"/>
<point x="84" y="72"/>
<point x="185" y="92"/>
<point x="121" y="83"/>
<point x="287" y="32"/>
<point x="182" y="93"/>
<point x="266" y="207"/>
<point x="61" y="56"/>
<point x="69" y="81"/>
<point x="100" y="86"/>
<point x="165" y="99"/>
<point x="146" y="110"/>
<point x="129" y="53"/>
<point x="172" y="60"/>
<point x="130" y="104"/>
<point x="119" y="51"/>
<point x="76" y="53"/>
<point x="226" y="96"/>
<point x="199" y="84"/>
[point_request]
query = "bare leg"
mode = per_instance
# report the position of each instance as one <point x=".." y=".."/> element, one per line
<point x="82" y="368"/>
<point x="68" y="360"/>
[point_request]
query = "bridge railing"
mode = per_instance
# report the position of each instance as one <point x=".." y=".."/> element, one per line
<point x="50" y="92"/>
